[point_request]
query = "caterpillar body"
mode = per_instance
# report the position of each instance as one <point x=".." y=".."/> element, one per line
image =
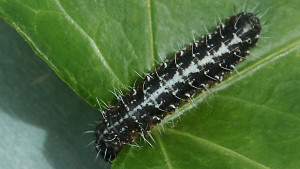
<point x="202" y="64"/>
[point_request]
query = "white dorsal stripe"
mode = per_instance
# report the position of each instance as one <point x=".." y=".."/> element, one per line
<point x="192" y="68"/>
<point x="177" y="78"/>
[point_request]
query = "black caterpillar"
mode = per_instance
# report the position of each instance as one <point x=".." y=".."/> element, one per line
<point x="197" y="67"/>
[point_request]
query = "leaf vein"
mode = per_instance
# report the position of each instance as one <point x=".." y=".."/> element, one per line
<point x="92" y="42"/>
<point x="149" y="14"/>
<point x="262" y="106"/>
<point x="219" y="148"/>
<point x="164" y="153"/>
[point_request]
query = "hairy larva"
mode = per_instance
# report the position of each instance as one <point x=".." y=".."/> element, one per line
<point x="197" y="67"/>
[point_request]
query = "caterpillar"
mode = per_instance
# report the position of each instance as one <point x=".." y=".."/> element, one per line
<point x="197" y="67"/>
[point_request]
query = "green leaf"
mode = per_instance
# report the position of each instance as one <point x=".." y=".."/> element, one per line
<point x="250" y="121"/>
<point x="41" y="118"/>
